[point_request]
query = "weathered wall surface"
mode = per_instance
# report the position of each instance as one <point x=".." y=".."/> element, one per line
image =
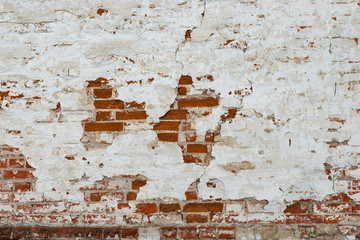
<point x="180" y="119"/>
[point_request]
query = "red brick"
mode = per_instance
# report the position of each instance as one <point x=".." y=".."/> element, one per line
<point x="198" y="102"/>
<point x="103" y="116"/>
<point x="94" y="233"/>
<point x="209" y="137"/>
<point x="332" y="208"/>
<point x="21" y="232"/>
<point x="295" y="208"/>
<point x="17" y="174"/>
<point x="348" y="230"/>
<point x="104" y="196"/>
<point x="226" y="232"/>
<point x="76" y="231"/>
<point x="330" y="219"/>
<point x="40" y="232"/>
<point x="58" y="232"/>
<point x="130" y="233"/>
<point x="192" y="159"/>
<point x="146" y="208"/>
<point x="134" y="104"/>
<point x="133" y="115"/>
<point x="166" y="125"/>
<point x="188" y="233"/>
<point x="3" y="95"/>
<point x="307" y="231"/>
<point x="304" y="219"/>
<point x="99" y="82"/>
<point x="182" y="91"/>
<point x="130" y="196"/>
<point x="204" y="207"/>
<point x="16" y="163"/>
<point x="196" y="148"/>
<point x="112" y="232"/>
<point x="138" y="183"/>
<point x="169" y="232"/>
<point x="103" y="93"/>
<point x="185" y="80"/>
<point x="207" y="232"/>
<point x="168" y="137"/>
<point x="196" y="218"/>
<point x="3" y="163"/>
<point x="169" y="207"/>
<point x="109" y="104"/>
<point x="191" y="195"/>
<point x="5" y="232"/>
<point x="190" y="136"/>
<point x="175" y="114"/>
<point x="111" y="126"/>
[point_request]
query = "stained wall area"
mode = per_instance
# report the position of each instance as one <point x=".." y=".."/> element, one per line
<point x="181" y="119"/>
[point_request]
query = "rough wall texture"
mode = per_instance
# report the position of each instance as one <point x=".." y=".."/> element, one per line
<point x="180" y="119"/>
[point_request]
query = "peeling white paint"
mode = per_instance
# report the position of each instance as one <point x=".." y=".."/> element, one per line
<point x="292" y="93"/>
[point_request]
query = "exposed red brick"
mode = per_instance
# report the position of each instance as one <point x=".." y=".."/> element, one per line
<point x="103" y="116"/>
<point x="190" y="136"/>
<point x="348" y="230"/>
<point x="18" y="174"/>
<point x="131" y="196"/>
<point x="295" y="208"/>
<point x="130" y="233"/>
<point x="192" y="159"/>
<point x="167" y="125"/>
<point x="58" y="232"/>
<point x="17" y="163"/>
<point x="196" y="218"/>
<point x="103" y="93"/>
<point x="112" y="232"/>
<point x="332" y="207"/>
<point x="182" y="91"/>
<point x="111" y="126"/>
<point x="109" y="104"/>
<point x="134" y="104"/>
<point x="191" y="195"/>
<point x="204" y="207"/>
<point x="133" y="115"/>
<point x="104" y="196"/>
<point x="209" y="137"/>
<point x="40" y="232"/>
<point x="138" y="183"/>
<point x="168" y="137"/>
<point x="76" y="231"/>
<point x="21" y="186"/>
<point x="5" y="232"/>
<point x="226" y="232"/>
<point x="207" y="232"/>
<point x="196" y="148"/>
<point x="169" y="207"/>
<point x="21" y="232"/>
<point x="185" y="80"/>
<point x="3" y="95"/>
<point x="146" y="207"/>
<point x="100" y="82"/>
<point x="169" y="232"/>
<point x="188" y="232"/>
<point x="175" y="114"/>
<point x="101" y="11"/>
<point x="198" y="102"/>
<point x="94" y="233"/>
<point x="304" y="219"/>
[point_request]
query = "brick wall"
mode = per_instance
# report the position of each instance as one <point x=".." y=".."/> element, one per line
<point x="180" y="119"/>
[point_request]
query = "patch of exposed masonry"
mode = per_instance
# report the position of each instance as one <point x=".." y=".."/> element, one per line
<point x="275" y="146"/>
